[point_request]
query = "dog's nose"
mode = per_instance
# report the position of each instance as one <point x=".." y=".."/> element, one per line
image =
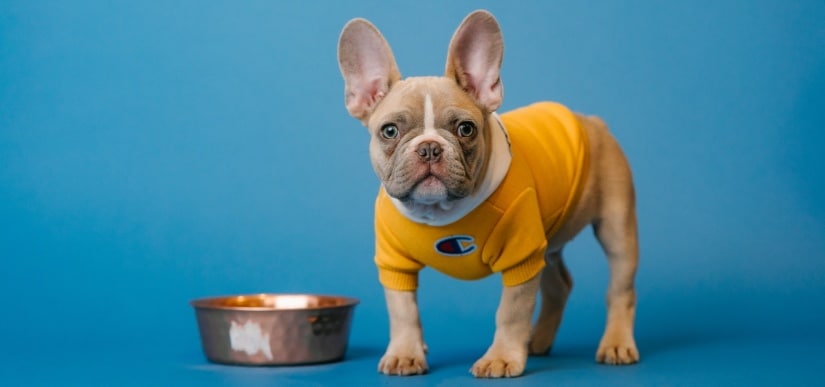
<point x="429" y="151"/>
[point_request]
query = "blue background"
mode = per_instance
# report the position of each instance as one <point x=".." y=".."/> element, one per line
<point x="156" y="152"/>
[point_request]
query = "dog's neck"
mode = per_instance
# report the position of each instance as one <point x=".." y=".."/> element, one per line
<point x="447" y="212"/>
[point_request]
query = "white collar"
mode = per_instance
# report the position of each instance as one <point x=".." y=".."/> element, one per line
<point x="442" y="214"/>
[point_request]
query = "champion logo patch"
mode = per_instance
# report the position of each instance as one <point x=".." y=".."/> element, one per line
<point x="456" y="245"/>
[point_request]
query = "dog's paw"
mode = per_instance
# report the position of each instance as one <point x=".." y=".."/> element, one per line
<point x="498" y="367"/>
<point x="406" y="364"/>
<point x="617" y="352"/>
<point x="540" y="344"/>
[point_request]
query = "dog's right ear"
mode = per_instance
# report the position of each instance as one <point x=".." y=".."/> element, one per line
<point x="367" y="65"/>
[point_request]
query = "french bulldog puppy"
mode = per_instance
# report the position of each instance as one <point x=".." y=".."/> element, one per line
<point x="471" y="193"/>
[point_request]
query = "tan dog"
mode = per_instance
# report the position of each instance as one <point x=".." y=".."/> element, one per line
<point x="447" y="164"/>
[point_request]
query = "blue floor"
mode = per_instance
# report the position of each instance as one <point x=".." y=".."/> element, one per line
<point x="156" y="152"/>
<point x="796" y="362"/>
<point x="701" y="353"/>
<point x="687" y="337"/>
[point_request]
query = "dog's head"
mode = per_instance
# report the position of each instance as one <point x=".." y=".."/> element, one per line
<point x="430" y="136"/>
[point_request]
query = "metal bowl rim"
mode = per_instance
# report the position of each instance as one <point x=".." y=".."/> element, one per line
<point x="203" y="303"/>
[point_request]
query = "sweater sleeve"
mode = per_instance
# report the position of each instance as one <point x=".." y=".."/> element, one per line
<point x="396" y="270"/>
<point x="517" y="244"/>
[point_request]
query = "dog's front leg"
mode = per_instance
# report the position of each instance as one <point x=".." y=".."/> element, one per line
<point x="405" y="353"/>
<point x="507" y="356"/>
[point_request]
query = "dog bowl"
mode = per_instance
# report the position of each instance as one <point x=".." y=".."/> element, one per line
<point x="274" y="329"/>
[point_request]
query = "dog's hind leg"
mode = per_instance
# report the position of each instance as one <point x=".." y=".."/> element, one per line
<point x="618" y="239"/>
<point x="556" y="284"/>
<point x="616" y="230"/>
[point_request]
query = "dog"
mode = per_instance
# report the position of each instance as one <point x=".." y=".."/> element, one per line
<point x="470" y="193"/>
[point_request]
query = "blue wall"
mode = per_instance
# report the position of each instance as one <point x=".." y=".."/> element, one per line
<point x="156" y="152"/>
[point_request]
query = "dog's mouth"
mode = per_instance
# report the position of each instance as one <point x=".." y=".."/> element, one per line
<point x="430" y="189"/>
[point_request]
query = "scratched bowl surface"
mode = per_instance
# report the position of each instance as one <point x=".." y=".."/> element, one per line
<point x="274" y="329"/>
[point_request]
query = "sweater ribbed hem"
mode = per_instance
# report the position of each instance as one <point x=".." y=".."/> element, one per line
<point x="524" y="271"/>
<point x="398" y="280"/>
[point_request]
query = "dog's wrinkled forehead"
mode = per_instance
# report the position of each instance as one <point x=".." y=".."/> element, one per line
<point x="425" y="102"/>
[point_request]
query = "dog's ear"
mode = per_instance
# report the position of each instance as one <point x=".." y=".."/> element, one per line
<point x="367" y="65"/>
<point x="474" y="59"/>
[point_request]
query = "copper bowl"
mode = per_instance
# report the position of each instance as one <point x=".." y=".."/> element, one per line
<point x="274" y="329"/>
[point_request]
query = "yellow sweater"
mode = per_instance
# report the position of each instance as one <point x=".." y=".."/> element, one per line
<point x="508" y="232"/>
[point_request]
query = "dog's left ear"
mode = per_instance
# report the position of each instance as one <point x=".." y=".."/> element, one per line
<point x="474" y="59"/>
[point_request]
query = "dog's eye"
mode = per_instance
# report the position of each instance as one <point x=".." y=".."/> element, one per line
<point x="466" y="129"/>
<point x="389" y="131"/>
